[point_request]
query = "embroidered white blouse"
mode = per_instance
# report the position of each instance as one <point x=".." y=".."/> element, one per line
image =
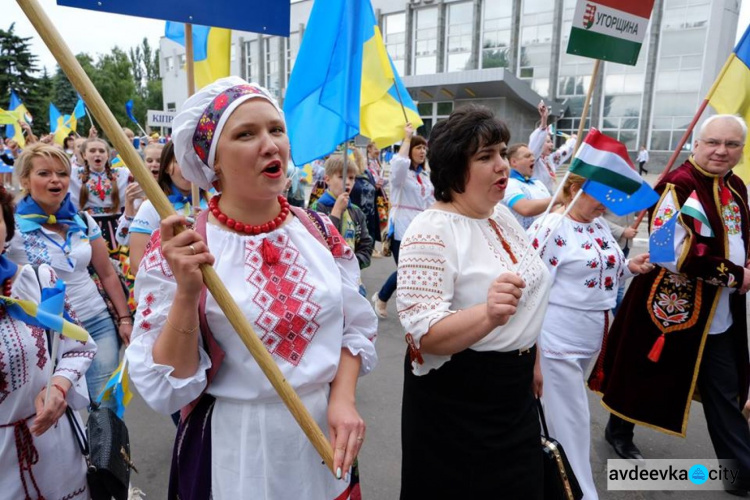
<point x="447" y="263"/>
<point x="410" y="194"/>
<point x="305" y="308"/>
<point x="587" y="267"/>
<point x="69" y="257"/>
<point x="24" y="367"/>
<point x="97" y="204"/>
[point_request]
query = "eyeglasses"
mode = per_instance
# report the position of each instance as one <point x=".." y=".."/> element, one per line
<point x="713" y="143"/>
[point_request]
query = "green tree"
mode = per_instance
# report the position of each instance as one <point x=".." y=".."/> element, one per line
<point x="113" y="78"/>
<point x="17" y="68"/>
<point x="145" y="64"/>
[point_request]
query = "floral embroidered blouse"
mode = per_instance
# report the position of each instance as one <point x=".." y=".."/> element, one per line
<point x="448" y="262"/>
<point x="100" y="189"/>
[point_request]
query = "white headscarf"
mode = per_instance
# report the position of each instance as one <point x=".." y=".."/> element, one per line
<point x="198" y="125"/>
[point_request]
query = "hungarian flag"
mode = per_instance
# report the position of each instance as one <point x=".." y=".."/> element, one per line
<point x="612" y="178"/>
<point x="694" y="209"/>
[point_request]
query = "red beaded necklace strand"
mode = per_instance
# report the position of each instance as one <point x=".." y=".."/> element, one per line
<point x="269" y="252"/>
<point x="267" y="227"/>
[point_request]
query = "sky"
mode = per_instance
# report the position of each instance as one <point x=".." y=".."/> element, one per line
<point x="94" y="32"/>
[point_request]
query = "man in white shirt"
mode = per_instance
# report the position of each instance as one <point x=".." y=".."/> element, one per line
<point x="642" y="159"/>
<point x="526" y="196"/>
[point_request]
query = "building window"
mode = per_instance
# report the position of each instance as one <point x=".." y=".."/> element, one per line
<point x="273" y="73"/>
<point x="458" y="33"/>
<point x="535" y="47"/>
<point x="431" y="113"/>
<point x="496" y="29"/>
<point x="621" y="118"/>
<point x="169" y="63"/>
<point x="171" y="106"/>
<point x="394" y="37"/>
<point x="425" y="41"/>
<point x="678" y="71"/>
<point x="183" y="60"/>
<point x="253" y="69"/>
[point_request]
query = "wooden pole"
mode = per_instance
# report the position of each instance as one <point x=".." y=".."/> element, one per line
<point x="686" y="135"/>
<point x="586" y="103"/>
<point x="195" y="194"/>
<point x="106" y="119"/>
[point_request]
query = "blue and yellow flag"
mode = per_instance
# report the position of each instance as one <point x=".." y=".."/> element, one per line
<point x="344" y="83"/>
<point x="19" y="109"/>
<point x="117" y="389"/>
<point x="211" y="50"/>
<point x="48" y="314"/>
<point x="730" y="94"/>
<point x="61" y="125"/>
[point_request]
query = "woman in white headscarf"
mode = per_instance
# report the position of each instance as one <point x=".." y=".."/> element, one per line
<point x="277" y="263"/>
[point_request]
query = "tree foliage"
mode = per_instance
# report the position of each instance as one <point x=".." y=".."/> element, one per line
<point x="118" y="75"/>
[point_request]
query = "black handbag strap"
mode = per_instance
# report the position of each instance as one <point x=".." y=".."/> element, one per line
<point x="540" y="409"/>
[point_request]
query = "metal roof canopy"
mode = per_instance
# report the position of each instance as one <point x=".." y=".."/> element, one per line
<point x="476" y="84"/>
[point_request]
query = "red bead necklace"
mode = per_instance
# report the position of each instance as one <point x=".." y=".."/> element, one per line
<point x="267" y="227"/>
<point x="7" y="287"/>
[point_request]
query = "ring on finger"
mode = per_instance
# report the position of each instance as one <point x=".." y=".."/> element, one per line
<point x="191" y="247"/>
<point x="360" y="439"/>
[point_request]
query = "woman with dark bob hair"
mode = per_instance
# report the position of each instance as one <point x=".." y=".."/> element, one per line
<point x="471" y="325"/>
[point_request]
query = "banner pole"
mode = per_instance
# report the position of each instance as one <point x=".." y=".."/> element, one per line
<point x="81" y="82"/>
<point x="195" y="194"/>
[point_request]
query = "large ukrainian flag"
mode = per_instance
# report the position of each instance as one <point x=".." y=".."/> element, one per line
<point x="211" y="50"/>
<point x="344" y="83"/>
<point x="731" y="93"/>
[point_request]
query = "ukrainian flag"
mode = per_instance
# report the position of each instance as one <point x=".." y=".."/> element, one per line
<point x="19" y="109"/>
<point x="117" y="389"/>
<point x="211" y="50"/>
<point x="61" y="125"/>
<point x="730" y="93"/>
<point x="344" y="83"/>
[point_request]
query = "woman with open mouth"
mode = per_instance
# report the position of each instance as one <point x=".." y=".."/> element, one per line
<point x="470" y="373"/>
<point x="99" y="189"/>
<point x="295" y="279"/>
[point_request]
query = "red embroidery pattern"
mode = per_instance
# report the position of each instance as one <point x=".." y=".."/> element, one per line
<point x="14" y="369"/>
<point x="284" y="296"/>
<point x="154" y="258"/>
<point x="149" y="300"/>
<point x="40" y="340"/>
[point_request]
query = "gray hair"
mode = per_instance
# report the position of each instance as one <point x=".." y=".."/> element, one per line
<point x="738" y="120"/>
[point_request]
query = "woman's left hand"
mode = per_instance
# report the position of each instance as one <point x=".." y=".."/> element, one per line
<point x="538" y="383"/>
<point x="640" y="264"/>
<point x="125" y="329"/>
<point x="347" y="433"/>
<point x="47" y="415"/>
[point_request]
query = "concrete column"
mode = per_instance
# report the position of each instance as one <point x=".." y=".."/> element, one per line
<point x="441" y="35"/>
<point x="282" y="65"/>
<point x="515" y="38"/>
<point x="409" y="37"/>
<point x="554" y="63"/>
<point x="649" y="84"/>
<point x="243" y="57"/>
<point x="261" y="60"/>
<point x="475" y="61"/>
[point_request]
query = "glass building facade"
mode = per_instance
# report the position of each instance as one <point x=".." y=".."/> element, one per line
<point x="650" y="103"/>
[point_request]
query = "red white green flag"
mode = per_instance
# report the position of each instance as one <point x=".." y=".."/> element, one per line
<point x="606" y="161"/>
<point x="694" y="209"/>
<point x="611" y="30"/>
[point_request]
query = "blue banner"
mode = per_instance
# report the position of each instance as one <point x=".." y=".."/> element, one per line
<point x="259" y="16"/>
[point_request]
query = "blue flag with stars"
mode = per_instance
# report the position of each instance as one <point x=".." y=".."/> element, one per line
<point x="661" y="242"/>
<point x="620" y="202"/>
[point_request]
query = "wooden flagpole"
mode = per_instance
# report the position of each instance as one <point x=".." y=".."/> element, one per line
<point x="195" y="194"/>
<point x="106" y="119"/>
<point x="592" y="84"/>
<point x="686" y="135"/>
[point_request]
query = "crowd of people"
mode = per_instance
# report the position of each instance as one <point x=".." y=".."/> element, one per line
<point x="489" y="326"/>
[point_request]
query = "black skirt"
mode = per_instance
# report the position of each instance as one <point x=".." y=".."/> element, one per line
<point x="470" y="429"/>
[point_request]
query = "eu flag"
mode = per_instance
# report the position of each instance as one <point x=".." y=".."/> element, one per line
<point x="661" y="242"/>
<point x="620" y="202"/>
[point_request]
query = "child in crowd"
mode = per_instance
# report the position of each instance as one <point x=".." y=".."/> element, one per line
<point x="347" y="217"/>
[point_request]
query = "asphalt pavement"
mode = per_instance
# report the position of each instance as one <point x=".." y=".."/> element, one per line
<point x="379" y="402"/>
